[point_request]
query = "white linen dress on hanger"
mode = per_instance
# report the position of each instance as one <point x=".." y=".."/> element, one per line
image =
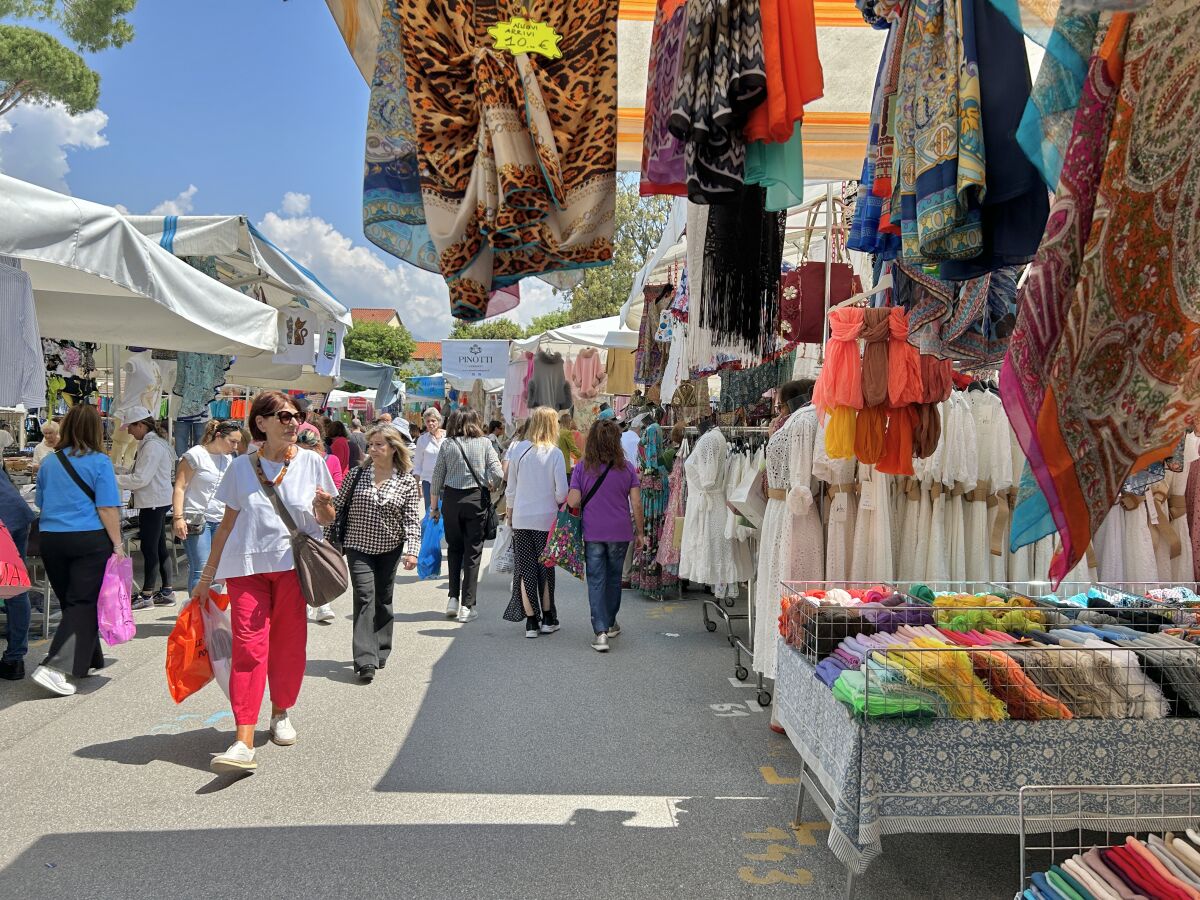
<point x="790" y="545"/>
<point x="872" y="559"/>
<point x="1019" y="561"/>
<point x="705" y="555"/>
<point x="839" y="478"/>
<point x="908" y="528"/>
<point x="963" y="473"/>
<point x="736" y="534"/>
<point x="991" y="446"/>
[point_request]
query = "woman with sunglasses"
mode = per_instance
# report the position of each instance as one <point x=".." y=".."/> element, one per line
<point x="252" y="555"/>
<point x="195" y="510"/>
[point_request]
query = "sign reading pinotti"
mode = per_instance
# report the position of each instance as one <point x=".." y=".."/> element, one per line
<point x="475" y="359"/>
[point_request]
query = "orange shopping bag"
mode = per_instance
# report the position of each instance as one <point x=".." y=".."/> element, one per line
<point x="188" y="666"/>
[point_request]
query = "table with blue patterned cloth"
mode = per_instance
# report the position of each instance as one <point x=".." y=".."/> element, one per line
<point x="949" y="775"/>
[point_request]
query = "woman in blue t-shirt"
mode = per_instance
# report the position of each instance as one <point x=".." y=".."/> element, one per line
<point x="81" y="528"/>
<point x="612" y="519"/>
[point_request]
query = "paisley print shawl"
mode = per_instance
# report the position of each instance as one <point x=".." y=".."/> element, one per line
<point x="517" y="153"/>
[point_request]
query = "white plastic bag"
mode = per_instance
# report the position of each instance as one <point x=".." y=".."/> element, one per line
<point x="218" y="637"/>
<point x="748" y="497"/>
<point x="502" y="552"/>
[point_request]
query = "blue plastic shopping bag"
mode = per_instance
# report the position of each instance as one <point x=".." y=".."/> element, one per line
<point x="429" y="560"/>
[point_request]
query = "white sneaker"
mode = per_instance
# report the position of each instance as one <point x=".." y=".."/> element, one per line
<point x="600" y="643"/>
<point x="311" y="612"/>
<point x="614" y="631"/>
<point x="549" y="629"/>
<point x="325" y="614"/>
<point x="53" y="681"/>
<point x="452" y="608"/>
<point x="467" y="614"/>
<point x="238" y="758"/>
<point x="283" y="732"/>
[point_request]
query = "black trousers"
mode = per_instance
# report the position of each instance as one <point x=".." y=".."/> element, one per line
<point x="75" y="562"/>
<point x="372" y="576"/>
<point x="464" y="516"/>
<point x="152" y="531"/>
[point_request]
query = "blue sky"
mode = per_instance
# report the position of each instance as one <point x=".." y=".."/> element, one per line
<point x="235" y="107"/>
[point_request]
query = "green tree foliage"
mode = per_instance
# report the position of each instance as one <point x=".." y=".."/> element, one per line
<point x="556" y="319"/>
<point x="495" y="330"/>
<point x="375" y="342"/>
<point x="639" y="226"/>
<point x="36" y="67"/>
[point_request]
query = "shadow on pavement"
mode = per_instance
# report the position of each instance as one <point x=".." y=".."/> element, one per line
<point x="191" y="749"/>
<point x="333" y="669"/>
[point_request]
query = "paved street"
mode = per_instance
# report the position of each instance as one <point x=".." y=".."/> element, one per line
<point x="478" y="764"/>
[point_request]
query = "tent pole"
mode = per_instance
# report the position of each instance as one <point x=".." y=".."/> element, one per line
<point x="828" y="265"/>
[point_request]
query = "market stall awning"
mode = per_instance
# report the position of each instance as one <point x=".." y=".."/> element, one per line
<point x="262" y="371"/>
<point x="245" y="259"/>
<point x="835" y="127"/>
<point x="605" y="333"/>
<point x="97" y="278"/>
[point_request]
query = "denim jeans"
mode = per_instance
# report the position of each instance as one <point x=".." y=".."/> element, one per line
<point x="604" y="561"/>
<point x="197" y="547"/>
<point x="188" y="435"/>
<point x="426" y="489"/>
<point x="16" y="610"/>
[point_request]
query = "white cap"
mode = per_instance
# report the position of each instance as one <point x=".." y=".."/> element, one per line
<point x="135" y="414"/>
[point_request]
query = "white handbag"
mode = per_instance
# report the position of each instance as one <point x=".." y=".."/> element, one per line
<point x="748" y="498"/>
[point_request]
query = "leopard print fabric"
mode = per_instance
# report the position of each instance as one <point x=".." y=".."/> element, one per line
<point x="517" y="153"/>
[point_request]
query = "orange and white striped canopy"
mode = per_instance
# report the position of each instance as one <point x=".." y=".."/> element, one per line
<point x="835" y="127"/>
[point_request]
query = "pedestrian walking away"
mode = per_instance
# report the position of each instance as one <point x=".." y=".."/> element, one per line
<point x="81" y="529"/>
<point x="378" y="525"/>
<point x="252" y="554"/>
<point x="466" y="472"/>
<point x="150" y="482"/>
<point x="605" y="484"/>
<point x="196" y="512"/>
<point x="537" y="485"/>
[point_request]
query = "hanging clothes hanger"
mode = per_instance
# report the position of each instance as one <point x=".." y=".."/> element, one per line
<point x="884" y="283"/>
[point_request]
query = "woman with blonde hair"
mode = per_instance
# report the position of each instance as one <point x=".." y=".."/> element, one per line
<point x="196" y="511"/>
<point x="537" y="484"/>
<point x="378" y="525"/>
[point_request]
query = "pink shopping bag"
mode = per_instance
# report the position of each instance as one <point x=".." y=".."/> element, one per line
<point x="114" y="609"/>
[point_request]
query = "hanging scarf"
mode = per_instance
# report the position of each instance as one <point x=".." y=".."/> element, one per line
<point x="898" y="442"/>
<point x="868" y="434"/>
<point x="875" y="333"/>
<point x="904" y="362"/>
<point x="517" y="153"/>
<point x="1048" y="291"/>
<point x="840" y="381"/>
<point x="663" y="169"/>
<point x="743" y="253"/>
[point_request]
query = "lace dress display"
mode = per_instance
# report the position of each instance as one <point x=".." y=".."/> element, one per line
<point x="841" y="508"/>
<point x="704" y="556"/>
<point x="668" y="553"/>
<point x="648" y="574"/>
<point x="791" y="543"/>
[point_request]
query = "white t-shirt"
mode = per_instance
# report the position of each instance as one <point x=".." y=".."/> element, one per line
<point x="629" y="443"/>
<point x="260" y="542"/>
<point x="201" y="494"/>
<point x="41" y="451"/>
<point x="428" y="448"/>
<point x="537" y="484"/>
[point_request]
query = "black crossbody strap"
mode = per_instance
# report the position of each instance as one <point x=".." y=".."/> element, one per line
<point x="470" y="468"/>
<point x="343" y="519"/>
<point x="83" y="485"/>
<point x="595" y="487"/>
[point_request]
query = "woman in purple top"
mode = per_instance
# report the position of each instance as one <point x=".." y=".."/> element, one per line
<point x="605" y="485"/>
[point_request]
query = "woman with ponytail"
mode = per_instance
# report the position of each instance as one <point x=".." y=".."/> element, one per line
<point x="195" y="511"/>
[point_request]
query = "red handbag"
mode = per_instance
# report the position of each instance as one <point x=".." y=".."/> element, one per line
<point x="14" y="577"/>
<point x="803" y="303"/>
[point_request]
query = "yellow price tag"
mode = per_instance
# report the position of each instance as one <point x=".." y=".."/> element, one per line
<point x="520" y="35"/>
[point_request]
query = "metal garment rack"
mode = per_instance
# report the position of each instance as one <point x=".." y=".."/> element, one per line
<point x="1059" y="821"/>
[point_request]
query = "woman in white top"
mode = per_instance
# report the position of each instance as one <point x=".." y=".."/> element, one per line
<point x="252" y="554"/>
<point x="537" y="484"/>
<point x="48" y="444"/>
<point x="196" y="511"/>
<point x="150" y="482"/>
<point x="429" y="445"/>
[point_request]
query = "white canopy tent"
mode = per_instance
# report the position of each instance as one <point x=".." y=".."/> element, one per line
<point x="603" y="334"/>
<point x="244" y="257"/>
<point x="97" y="278"/>
<point x="341" y="399"/>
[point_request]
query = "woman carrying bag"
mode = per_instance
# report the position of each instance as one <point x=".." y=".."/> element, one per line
<point x="378" y="524"/>
<point x="81" y="529"/>
<point x="537" y="485"/>
<point x="606" y="485"/>
<point x="253" y="553"/>
<point x="465" y="460"/>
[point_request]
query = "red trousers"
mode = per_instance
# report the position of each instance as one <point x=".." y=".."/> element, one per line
<point x="270" y="635"/>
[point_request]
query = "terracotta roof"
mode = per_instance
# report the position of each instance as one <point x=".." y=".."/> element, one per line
<point x="428" y="350"/>
<point x="368" y="314"/>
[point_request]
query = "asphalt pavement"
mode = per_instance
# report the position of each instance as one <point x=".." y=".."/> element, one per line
<point x="478" y="764"/>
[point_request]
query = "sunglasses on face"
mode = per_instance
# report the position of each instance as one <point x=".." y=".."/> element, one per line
<point x="286" y="416"/>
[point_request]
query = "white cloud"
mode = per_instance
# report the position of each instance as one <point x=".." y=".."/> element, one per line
<point x="181" y="205"/>
<point x="35" y="140"/>
<point x="295" y="204"/>
<point x="358" y="275"/>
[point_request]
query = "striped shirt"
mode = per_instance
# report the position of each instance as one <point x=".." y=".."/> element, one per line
<point x="451" y="469"/>
<point x="22" y="369"/>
